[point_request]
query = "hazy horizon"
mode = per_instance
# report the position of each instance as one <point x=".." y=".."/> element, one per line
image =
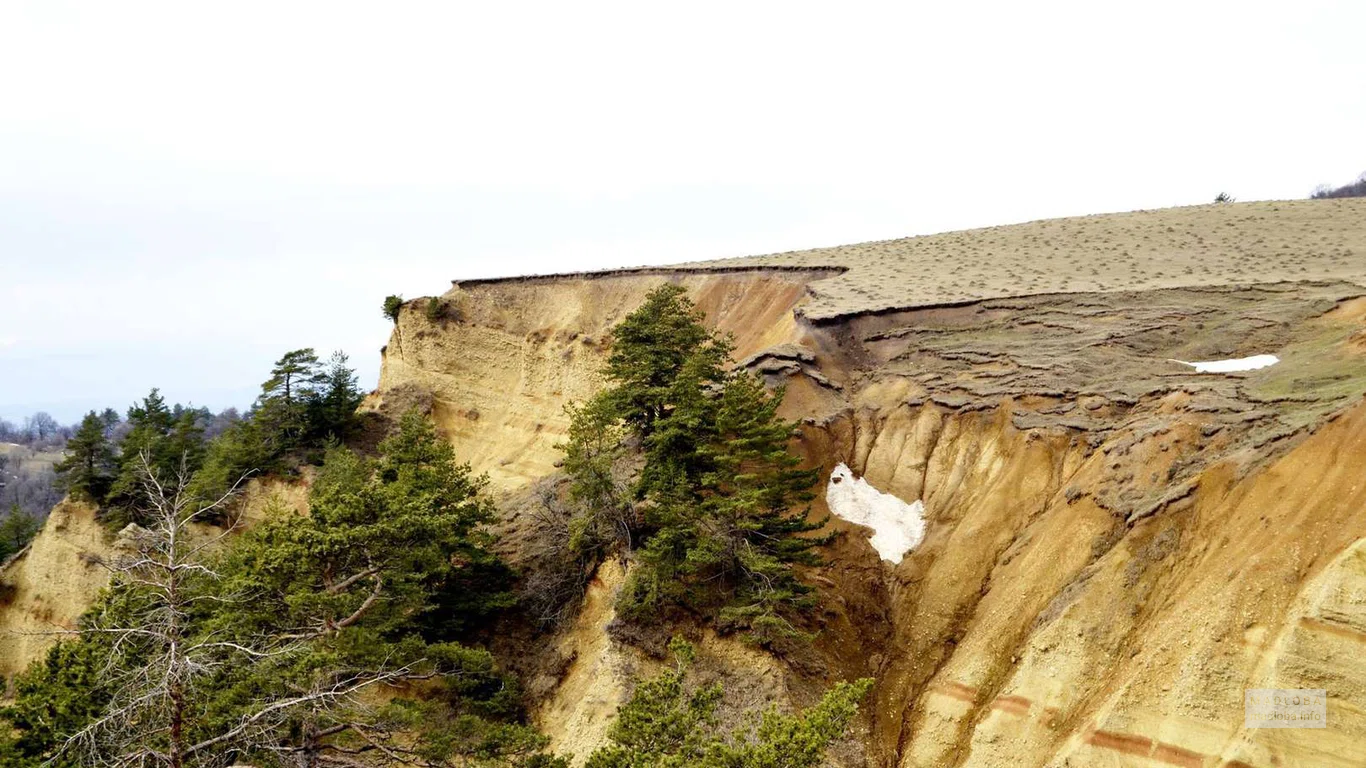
<point x="187" y="193"/>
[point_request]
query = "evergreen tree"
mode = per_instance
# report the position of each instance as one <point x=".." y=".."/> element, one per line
<point x="597" y="462"/>
<point x="111" y="419"/>
<point x="717" y="517"/>
<point x="333" y="402"/>
<point x="282" y="408"/>
<point x="242" y="449"/>
<point x="650" y="347"/>
<point x="302" y="407"/>
<point x="393" y="306"/>
<point x="149" y="423"/>
<point x="17" y="529"/>
<point x="388" y="570"/>
<point x="254" y="656"/>
<point x="57" y="696"/>
<point x="87" y="470"/>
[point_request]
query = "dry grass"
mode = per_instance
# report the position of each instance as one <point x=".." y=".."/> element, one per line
<point x="1207" y="245"/>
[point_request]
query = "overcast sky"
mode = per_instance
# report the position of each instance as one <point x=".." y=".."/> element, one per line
<point x="190" y="189"/>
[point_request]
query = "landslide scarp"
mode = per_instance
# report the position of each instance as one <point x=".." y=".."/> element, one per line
<point x="1117" y="546"/>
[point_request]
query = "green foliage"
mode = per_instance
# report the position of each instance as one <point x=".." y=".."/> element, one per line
<point x="282" y="408"/>
<point x="713" y="508"/>
<point x="378" y="582"/>
<point x="243" y="448"/>
<point x="650" y="346"/>
<point x="304" y="406"/>
<point x="54" y="697"/>
<point x="393" y="305"/>
<point x="435" y="309"/>
<point x="65" y="690"/>
<point x="17" y="529"/>
<point x="332" y="404"/>
<point x="151" y="424"/>
<point x="670" y="724"/>
<point x="87" y="471"/>
<point x="388" y="569"/>
<point x="597" y="462"/>
<point x="394" y="528"/>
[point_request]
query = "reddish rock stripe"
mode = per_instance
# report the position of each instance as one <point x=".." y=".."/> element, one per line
<point x="1121" y="742"/>
<point x="1142" y="746"/>
<point x="1173" y="755"/>
<point x="956" y="690"/>
<point x="1016" y="705"/>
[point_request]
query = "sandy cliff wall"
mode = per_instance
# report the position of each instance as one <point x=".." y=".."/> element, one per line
<point x="1115" y="549"/>
<point x="48" y="586"/>
<point x="500" y="369"/>
<point x="45" y="589"/>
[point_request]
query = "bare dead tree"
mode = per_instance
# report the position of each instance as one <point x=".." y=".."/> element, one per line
<point x="159" y="661"/>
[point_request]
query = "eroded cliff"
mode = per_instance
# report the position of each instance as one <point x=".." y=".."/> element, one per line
<point x="1116" y="545"/>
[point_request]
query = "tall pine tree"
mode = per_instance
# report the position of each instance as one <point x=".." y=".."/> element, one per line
<point x="720" y="517"/>
<point x="87" y="470"/>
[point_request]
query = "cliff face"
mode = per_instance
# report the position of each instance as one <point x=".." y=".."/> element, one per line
<point x="45" y="588"/>
<point x="510" y="355"/>
<point x="1116" y="546"/>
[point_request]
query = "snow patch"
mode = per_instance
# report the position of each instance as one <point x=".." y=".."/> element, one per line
<point x="898" y="527"/>
<point x="1230" y="366"/>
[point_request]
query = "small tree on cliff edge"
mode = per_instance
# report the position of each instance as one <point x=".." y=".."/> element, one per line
<point x="393" y="305"/>
<point x="713" y="504"/>
<point x="88" y="468"/>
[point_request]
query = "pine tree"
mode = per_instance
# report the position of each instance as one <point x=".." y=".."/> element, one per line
<point x="17" y="529"/>
<point x="650" y="347"/>
<point x="170" y="440"/>
<point x="87" y="471"/>
<point x="282" y="408"/>
<point x="255" y="656"/>
<point x="388" y="569"/>
<point x="333" y="401"/>
<point x="748" y="499"/>
<point x="717" y="514"/>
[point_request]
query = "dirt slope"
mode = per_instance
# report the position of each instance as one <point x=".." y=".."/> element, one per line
<point x="45" y="588"/>
<point x="49" y="585"/>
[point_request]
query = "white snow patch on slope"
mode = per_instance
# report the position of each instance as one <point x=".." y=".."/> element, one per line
<point x="898" y="527"/>
<point x="1230" y="366"/>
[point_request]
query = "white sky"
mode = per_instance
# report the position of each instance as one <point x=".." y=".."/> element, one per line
<point x="189" y="189"/>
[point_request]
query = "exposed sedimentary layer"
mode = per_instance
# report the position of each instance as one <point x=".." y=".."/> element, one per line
<point x="1116" y="545"/>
